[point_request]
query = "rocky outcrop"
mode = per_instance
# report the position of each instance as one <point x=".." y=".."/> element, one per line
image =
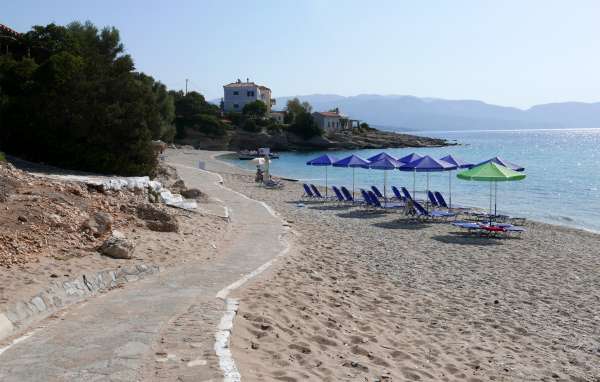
<point x="98" y="224"/>
<point x="236" y="140"/>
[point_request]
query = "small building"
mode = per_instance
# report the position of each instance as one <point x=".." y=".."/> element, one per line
<point x="238" y="94"/>
<point x="329" y="121"/>
<point x="278" y="116"/>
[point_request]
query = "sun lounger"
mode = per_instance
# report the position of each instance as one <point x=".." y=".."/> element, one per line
<point x="368" y="202"/>
<point x="433" y="200"/>
<point x="386" y="206"/>
<point x="397" y="193"/>
<point x="308" y="194"/>
<point x="348" y="196"/>
<point x="376" y="192"/>
<point x="407" y="195"/>
<point x="318" y="195"/>
<point x="338" y="194"/>
<point x="490" y="229"/>
<point x="422" y="212"/>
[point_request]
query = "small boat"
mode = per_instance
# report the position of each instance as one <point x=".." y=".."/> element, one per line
<point x="251" y="154"/>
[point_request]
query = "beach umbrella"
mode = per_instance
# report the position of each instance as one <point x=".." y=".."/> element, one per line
<point x="410" y="158"/>
<point x="503" y="162"/>
<point x="491" y="172"/>
<point x="426" y="164"/>
<point x="325" y="161"/>
<point x="380" y="156"/>
<point x="459" y="163"/>
<point x="385" y="164"/>
<point x="352" y="161"/>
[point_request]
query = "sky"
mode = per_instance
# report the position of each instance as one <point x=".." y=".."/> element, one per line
<point x="510" y="52"/>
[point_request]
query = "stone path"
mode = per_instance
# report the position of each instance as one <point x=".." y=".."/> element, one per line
<point x="160" y="328"/>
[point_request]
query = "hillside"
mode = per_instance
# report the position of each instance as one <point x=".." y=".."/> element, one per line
<point x="397" y="112"/>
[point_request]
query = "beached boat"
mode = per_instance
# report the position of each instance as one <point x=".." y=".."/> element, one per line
<point x="251" y="154"/>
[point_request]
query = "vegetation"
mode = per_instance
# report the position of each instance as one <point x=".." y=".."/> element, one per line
<point x="193" y="112"/>
<point x="69" y="96"/>
<point x="256" y="109"/>
<point x="305" y="126"/>
<point x="2" y="157"/>
<point x="294" y="108"/>
<point x="251" y="126"/>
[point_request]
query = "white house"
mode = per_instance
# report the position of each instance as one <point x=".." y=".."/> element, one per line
<point x="278" y="116"/>
<point x="237" y="94"/>
<point x="329" y="121"/>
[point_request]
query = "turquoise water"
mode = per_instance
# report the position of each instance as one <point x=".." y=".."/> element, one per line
<point x="562" y="167"/>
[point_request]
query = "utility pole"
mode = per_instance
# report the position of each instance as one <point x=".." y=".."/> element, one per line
<point x="186" y="82"/>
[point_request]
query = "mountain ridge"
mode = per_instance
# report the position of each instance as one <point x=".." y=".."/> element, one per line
<point x="406" y="112"/>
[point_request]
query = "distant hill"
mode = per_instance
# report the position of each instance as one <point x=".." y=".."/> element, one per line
<point x="397" y="112"/>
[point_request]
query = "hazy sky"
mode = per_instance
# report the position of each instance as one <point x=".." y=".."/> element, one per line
<point x="514" y="53"/>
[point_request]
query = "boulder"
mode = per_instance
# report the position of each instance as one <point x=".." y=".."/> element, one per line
<point x="157" y="219"/>
<point x="118" y="247"/>
<point x="98" y="224"/>
<point x="192" y="193"/>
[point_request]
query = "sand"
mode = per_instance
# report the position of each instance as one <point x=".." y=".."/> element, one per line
<point x="377" y="297"/>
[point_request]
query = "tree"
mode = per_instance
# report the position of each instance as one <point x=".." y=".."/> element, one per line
<point x="193" y="112"/>
<point x="294" y="107"/>
<point x="256" y="109"/>
<point x="305" y="126"/>
<point x="78" y="103"/>
<point x="364" y="126"/>
<point x="251" y="126"/>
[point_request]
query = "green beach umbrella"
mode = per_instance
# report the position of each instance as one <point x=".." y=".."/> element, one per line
<point x="493" y="173"/>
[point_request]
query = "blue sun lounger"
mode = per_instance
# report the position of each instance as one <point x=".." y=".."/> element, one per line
<point x="376" y="192"/>
<point x="349" y="197"/>
<point x="386" y="206"/>
<point x="422" y="212"/>
<point x="398" y="194"/>
<point x="308" y="194"/>
<point x="318" y="195"/>
<point x="338" y="194"/>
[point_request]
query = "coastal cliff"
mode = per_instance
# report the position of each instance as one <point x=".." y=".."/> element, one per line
<point x="283" y="140"/>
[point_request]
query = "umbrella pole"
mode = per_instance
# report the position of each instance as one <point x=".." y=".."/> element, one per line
<point x="353" y="182"/>
<point x="491" y="184"/>
<point x="495" y="198"/>
<point x="450" y="187"/>
<point x="384" y="186"/>
<point x="427" y="197"/>
<point x="414" y="184"/>
<point x="326" y="181"/>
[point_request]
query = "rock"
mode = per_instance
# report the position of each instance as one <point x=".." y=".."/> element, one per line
<point x="156" y="219"/>
<point x="118" y="247"/>
<point x="22" y="219"/>
<point x="99" y="224"/>
<point x="178" y="186"/>
<point x="192" y="193"/>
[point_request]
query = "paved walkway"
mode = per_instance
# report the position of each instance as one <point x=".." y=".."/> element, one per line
<point x="160" y="328"/>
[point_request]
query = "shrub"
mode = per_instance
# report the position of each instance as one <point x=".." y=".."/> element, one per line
<point x="305" y="126"/>
<point x="2" y="157"/>
<point x="251" y="126"/>
<point x="256" y="109"/>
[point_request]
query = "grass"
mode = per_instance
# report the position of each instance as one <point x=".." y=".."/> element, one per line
<point x="2" y="157"/>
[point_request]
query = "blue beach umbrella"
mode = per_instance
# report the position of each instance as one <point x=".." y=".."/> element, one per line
<point x="380" y="156"/>
<point x="410" y="158"/>
<point x="385" y="164"/>
<point x="324" y="160"/>
<point x="352" y="161"/>
<point x="503" y="162"/>
<point x="459" y="163"/>
<point x="426" y="164"/>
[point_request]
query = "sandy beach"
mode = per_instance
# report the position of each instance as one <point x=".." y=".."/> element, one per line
<point x="378" y="297"/>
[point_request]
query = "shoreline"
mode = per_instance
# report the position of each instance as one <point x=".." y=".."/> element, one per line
<point x="221" y="157"/>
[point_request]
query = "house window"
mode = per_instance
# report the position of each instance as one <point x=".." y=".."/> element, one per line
<point x="236" y="93"/>
<point x="250" y="94"/>
<point x="328" y="124"/>
<point x="236" y="106"/>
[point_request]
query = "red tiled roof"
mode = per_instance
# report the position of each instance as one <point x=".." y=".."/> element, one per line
<point x="331" y="114"/>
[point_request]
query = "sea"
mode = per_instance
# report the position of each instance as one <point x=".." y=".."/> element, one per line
<point x="562" y="166"/>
